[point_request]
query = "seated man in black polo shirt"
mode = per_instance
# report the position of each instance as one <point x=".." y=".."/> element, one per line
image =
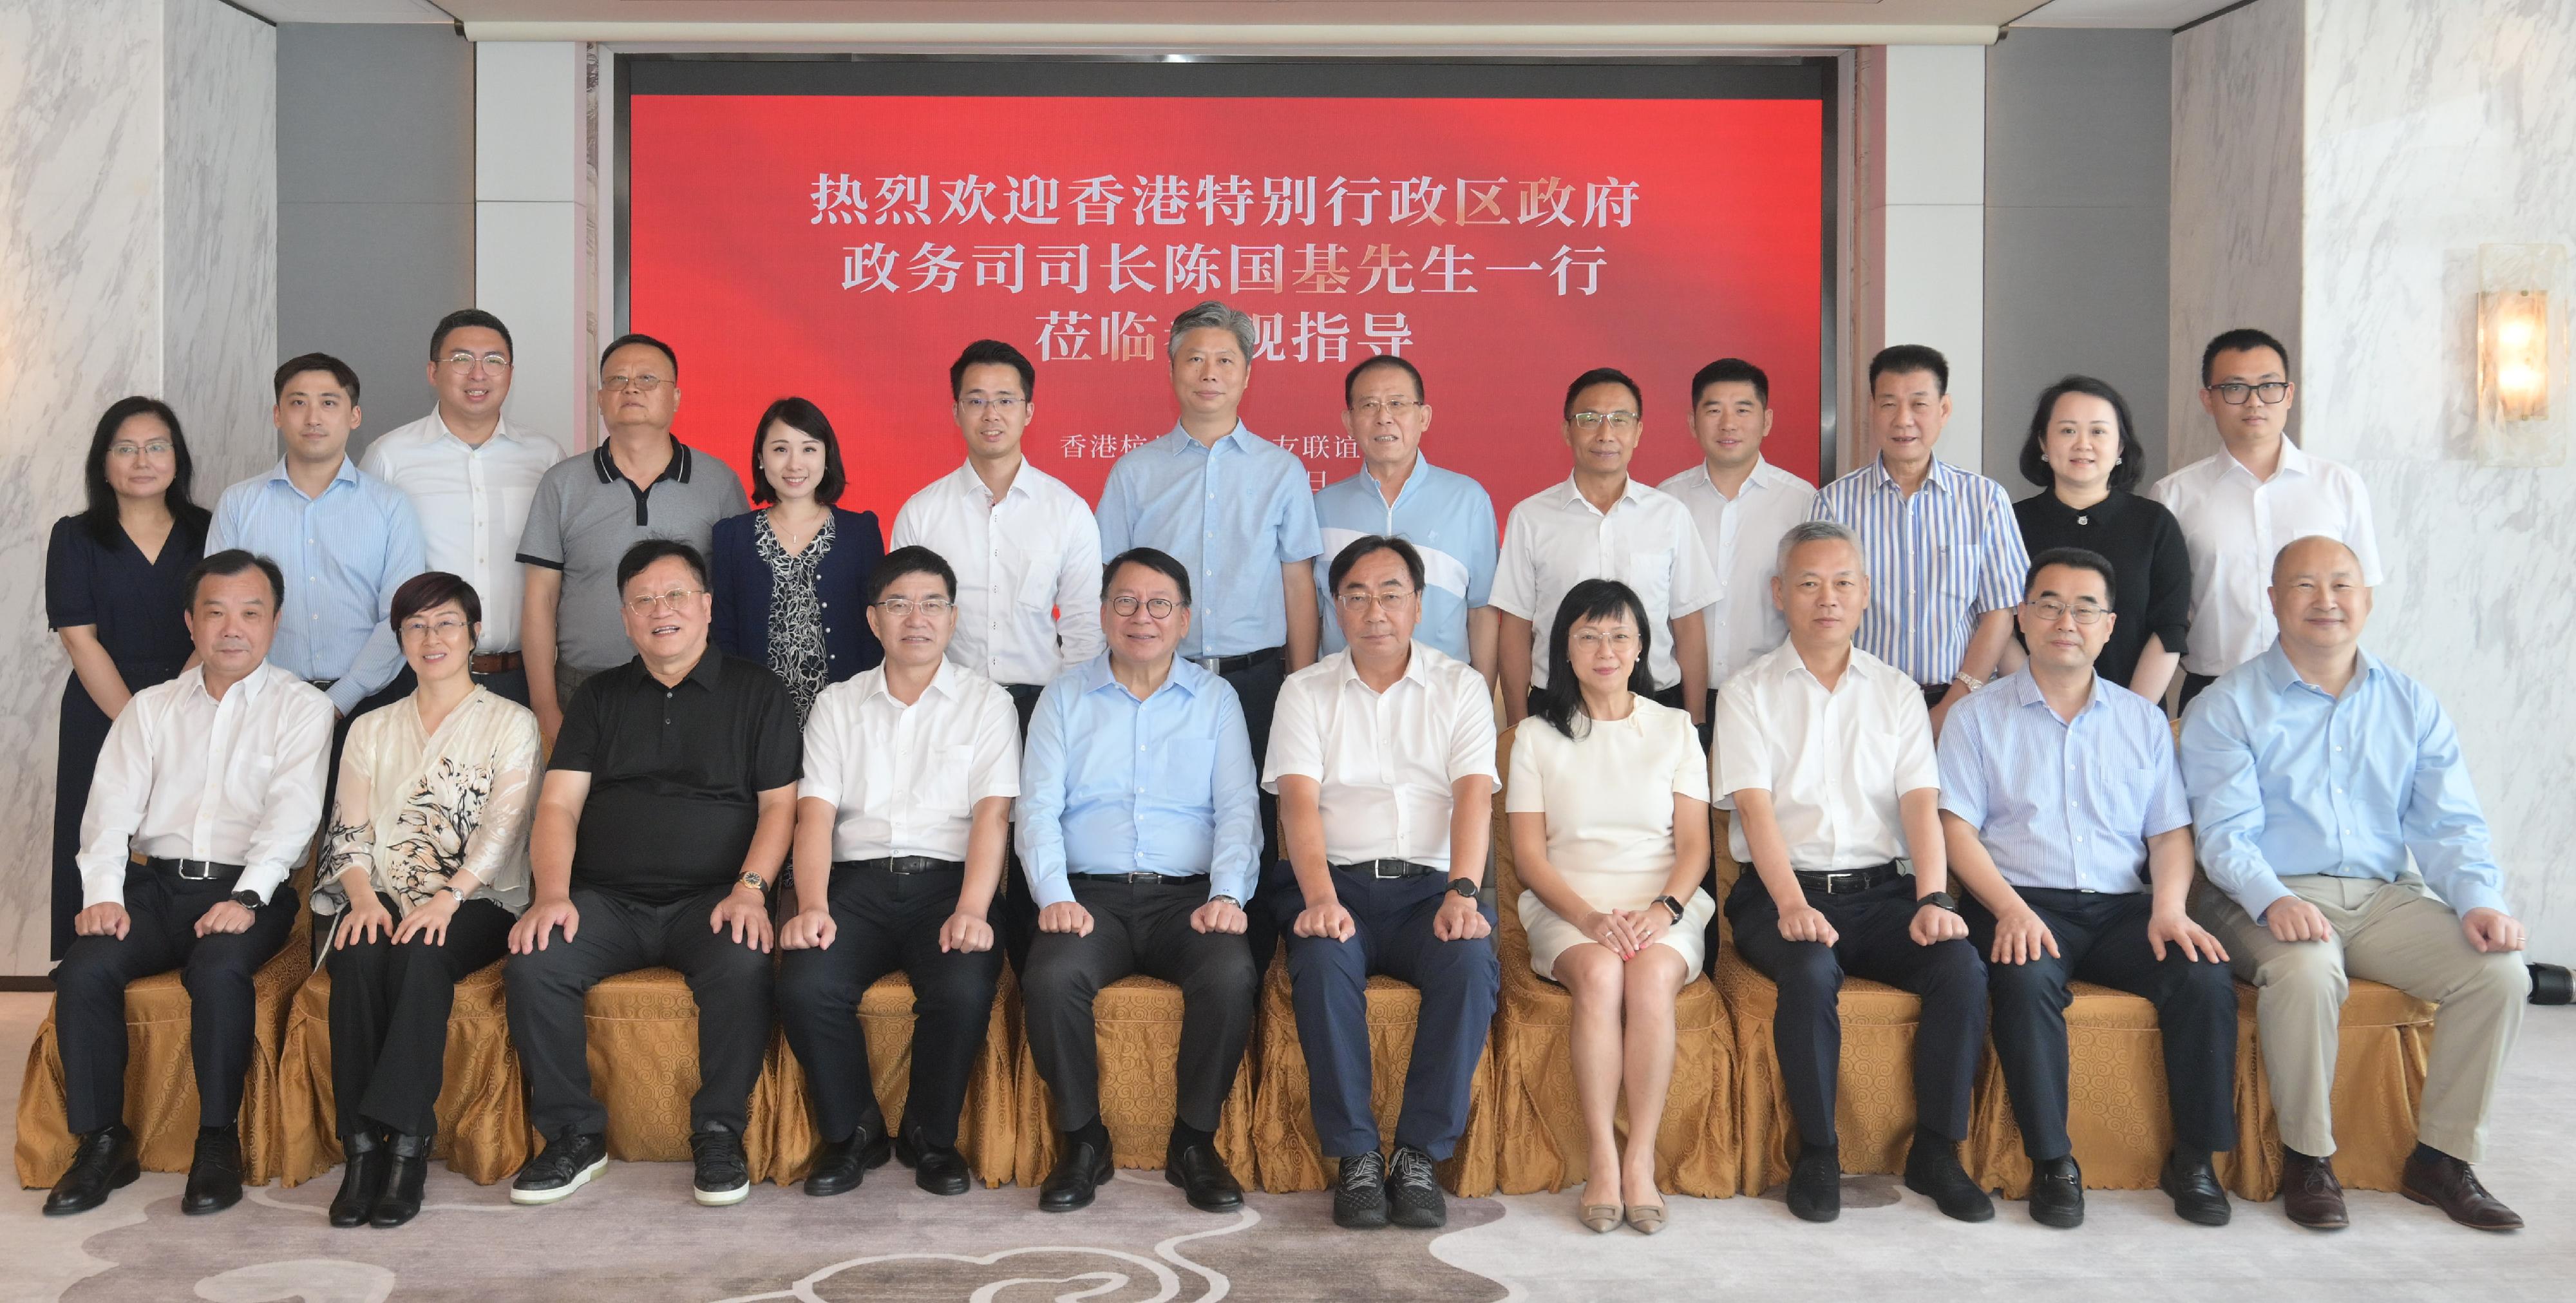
<point x="668" y="806"/>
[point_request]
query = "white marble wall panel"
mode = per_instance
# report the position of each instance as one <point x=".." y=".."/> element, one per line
<point x="2238" y="142"/>
<point x="219" y="235"/>
<point x="2435" y="126"/>
<point x="1922" y="232"/>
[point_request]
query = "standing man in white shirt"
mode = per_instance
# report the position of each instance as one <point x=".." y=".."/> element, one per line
<point x="470" y="474"/>
<point x="2240" y="506"/>
<point x="215" y="779"/>
<point x="909" y="773"/>
<point x="1600" y="524"/>
<point x="1742" y="505"/>
<point x="1382" y="756"/>
<point x="1827" y="753"/>
<point x="1026" y="551"/>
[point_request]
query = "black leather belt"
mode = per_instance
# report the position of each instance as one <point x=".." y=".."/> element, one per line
<point x="1387" y="869"/>
<point x="1848" y="881"/>
<point x="1229" y="664"/>
<point x="322" y="684"/>
<point x="194" y="870"/>
<point x="899" y="864"/>
<point x="1143" y="879"/>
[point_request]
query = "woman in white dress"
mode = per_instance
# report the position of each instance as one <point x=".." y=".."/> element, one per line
<point x="1609" y="815"/>
<point x="426" y="863"/>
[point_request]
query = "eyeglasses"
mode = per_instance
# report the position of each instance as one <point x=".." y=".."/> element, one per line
<point x="643" y="384"/>
<point x="901" y="608"/>
<point x="1160" y="608"/>
<point x="445" y="629"/>
<point x="1399" y="408"/>
<point x="2050" y="610"/>
<point x="2234" y="393"/>
<point x="1360" y="603"/>
<point x="1592" y="642"/>
<point x="462" y="360"/>
<point x="156" y="448"/>
<point x="651" y="602"/>
<point x="1004" y="403"/>
<point x="1621" y="422"/>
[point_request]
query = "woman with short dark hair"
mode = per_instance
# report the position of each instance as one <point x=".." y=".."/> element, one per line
<point x="789" y="577"/>
<point x="426" y="863"/>
<point x="116" y="594"/>
<point x="2083" y="453"/>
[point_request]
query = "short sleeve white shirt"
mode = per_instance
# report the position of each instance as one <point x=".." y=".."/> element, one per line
<point x="906" y="778"/>
<point x="473" y="506"/>
<point x="1835" y="762"/>
<point x="1388" y="763"/>
<point x="1742" y="535"/>
<point x="1556" y="539"/>
<point x="2235" y="525"/>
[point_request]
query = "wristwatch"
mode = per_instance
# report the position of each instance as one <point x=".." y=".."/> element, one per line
<point x="247" y="899"/>
<point x="1671" y="904"/>
<point x="450" y="889"/>
<point x="754" y="881"/>
<point x="1227" y="899"/>
<point x="1463" y="887"/>
<point x="1939" y="898"/>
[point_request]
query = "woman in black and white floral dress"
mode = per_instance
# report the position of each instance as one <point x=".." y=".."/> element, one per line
<point x="426" y="863"/>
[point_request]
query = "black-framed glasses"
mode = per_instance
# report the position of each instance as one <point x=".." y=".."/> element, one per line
<point x="2235" y="392"/>
<point x="1160" y="608"/>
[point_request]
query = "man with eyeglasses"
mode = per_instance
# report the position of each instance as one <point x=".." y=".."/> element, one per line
<point x="470" y="473"/>
<point x="1382" y="756"/>
<point x="1398" y="493"/>
<point x="643" y="483"/>
<point x="1946" y="557"/>
<point x="2064" y="815"/>
<point x="668" y="807"/>
<point x="1138" y="826"/>
<point x="1027" y="556"/>
<point x="2241" y="505"/>
<point x="1600" y="524"/>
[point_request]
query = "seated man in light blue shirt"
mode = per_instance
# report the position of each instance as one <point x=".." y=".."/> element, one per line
<point x="344" y="539"/>
<point x="2315" y="773"/>
<point x="1446" y="516"/>
<point x="2065" y="820"/>
<point x="1137" y="830"/>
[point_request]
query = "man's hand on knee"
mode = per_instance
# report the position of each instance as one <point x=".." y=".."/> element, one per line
<point x="2492" y="930"/>
<point x="2293" y="919"/>
<point x="1065" y="916"/>
<point x="104" y="919"/>
<point x="530" y="933"/>
<point x="224" y="916"/>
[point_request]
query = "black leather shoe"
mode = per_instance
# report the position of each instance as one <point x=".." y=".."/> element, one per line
<point x="2435" y="1178"/>
<point x="2310" y="1194"/>
<point x="409" y="1171"/>
<point x="2196" y="1194"/>
<point x="2057" y="1193"/>
<point x="101" y="1162"/>
<point x="566" y="1164"/>
<point x="1359" y="1192"/>
<point x="362" y="1179"/>
<point x="1816" y="1186"/>
<point x="215" y="1175"/>
<point x="1932" y="1170"/>
<point x="724" y="1172"/>
<point x="1203" y="1178"/>
<point x="1413" y="1195"/>
<point x="840" y="1165"/>
<point x="1079" y="1172"/>
<point x="940" y="1169"/>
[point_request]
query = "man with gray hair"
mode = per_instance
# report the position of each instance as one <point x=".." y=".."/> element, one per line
<point x="1236" y="509"/>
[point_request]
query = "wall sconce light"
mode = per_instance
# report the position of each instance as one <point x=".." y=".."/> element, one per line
<point x="2522" y="359"/>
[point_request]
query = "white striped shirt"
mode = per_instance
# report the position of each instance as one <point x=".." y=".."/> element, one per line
<point x="1938" y="559"/>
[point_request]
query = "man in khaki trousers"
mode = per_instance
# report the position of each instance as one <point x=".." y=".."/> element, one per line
<point x="2314" y="772"/>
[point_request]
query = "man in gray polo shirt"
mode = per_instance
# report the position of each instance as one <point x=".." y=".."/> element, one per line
<point x="641" y="483"/>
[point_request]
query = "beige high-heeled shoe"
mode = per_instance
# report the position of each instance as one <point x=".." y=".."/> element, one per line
<point x="1603" y="1218"/>
<point x="1647" y="1218"/>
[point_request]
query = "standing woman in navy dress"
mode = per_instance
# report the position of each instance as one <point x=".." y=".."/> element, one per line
<point x="113" y="593"/>
<point x="790" y="577"/>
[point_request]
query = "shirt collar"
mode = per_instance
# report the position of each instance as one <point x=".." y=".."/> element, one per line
<point x="1416" y="668"/>
<point x="2275" y="666"/>
<point x="968" y="485"/>
<point x="346" y="474"/>
<point x="1938" y="475"/>
<point x="1570" y="494"/>
<point x="194" y="680"/>
<point x="1186" y="675"/>
<point x="2294" y="461"/>
<point x="677" y="468"/>
<point x="1241" y="434"/>
<point x="707" y="673"/>
<point x="1412" y="480"/>
<point x="943" y="680"/>
<point x="500" y="430"/>
<point x="2023" y="690"/>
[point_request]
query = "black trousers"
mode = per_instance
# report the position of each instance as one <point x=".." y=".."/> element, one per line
<point x="509" y="684"/>
<point x="1873" y="942"/>
<point x="389" y="1007"/>
<point x="1257" y="685"/>
<point x="1015" y="912"/>
<point x="2103" y="938"/>
<point x="730" y="981"/>
<point x="1459" y="981"/>
<point x="1140" y="928"/>
<point x="2192" y="686"/>
<point x="888" y="921"/>
<point x="89" y="994"/>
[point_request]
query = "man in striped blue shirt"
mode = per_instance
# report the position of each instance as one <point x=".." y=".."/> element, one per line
<point x="2064" y="815"/>
<point x="1946" y="559"/>
<point x="1446" y="516"/>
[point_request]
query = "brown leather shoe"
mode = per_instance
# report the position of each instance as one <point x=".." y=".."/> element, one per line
<point x="2448" y="1184"/>
<point x="2310" y="1194"/>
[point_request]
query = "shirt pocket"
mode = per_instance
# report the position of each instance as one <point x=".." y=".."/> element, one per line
<point x="1651" y="574"/>
<point x="1180" y="770"/>
<point x="2118" y="794"/>
<point x="1037" y="587"/>
<point x="940" y="787"/>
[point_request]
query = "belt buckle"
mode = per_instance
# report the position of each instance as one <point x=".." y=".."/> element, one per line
<point x="1211" y="664"/>
<point x="207" y="876"/>
<point x="1377" y="870"/>
<point x="1834" y="880"/>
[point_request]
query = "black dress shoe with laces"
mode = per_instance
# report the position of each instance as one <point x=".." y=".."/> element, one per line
<point x="2057" y="1193"/>
<point x="1359" y="1192"/>
<point x="1413" y="1196"/>
<point x="408" y="1173"/>
<point x="1202" y="1176"/>
<point x="362" y="1179"/>
<point x="1816" y="1186"/>
<point x="939" y="1169"/>
<point x="840" y="1165"/>
<point x="103" y="1161"/>
<point x="215" y="1174"/>
<point x="2194" y="1189"/>
<point x="1932" y="1170"/>
<point x="1079" y="1172"/>
<point x="724" y="1173"/>
<point x="566" y="1164"/>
